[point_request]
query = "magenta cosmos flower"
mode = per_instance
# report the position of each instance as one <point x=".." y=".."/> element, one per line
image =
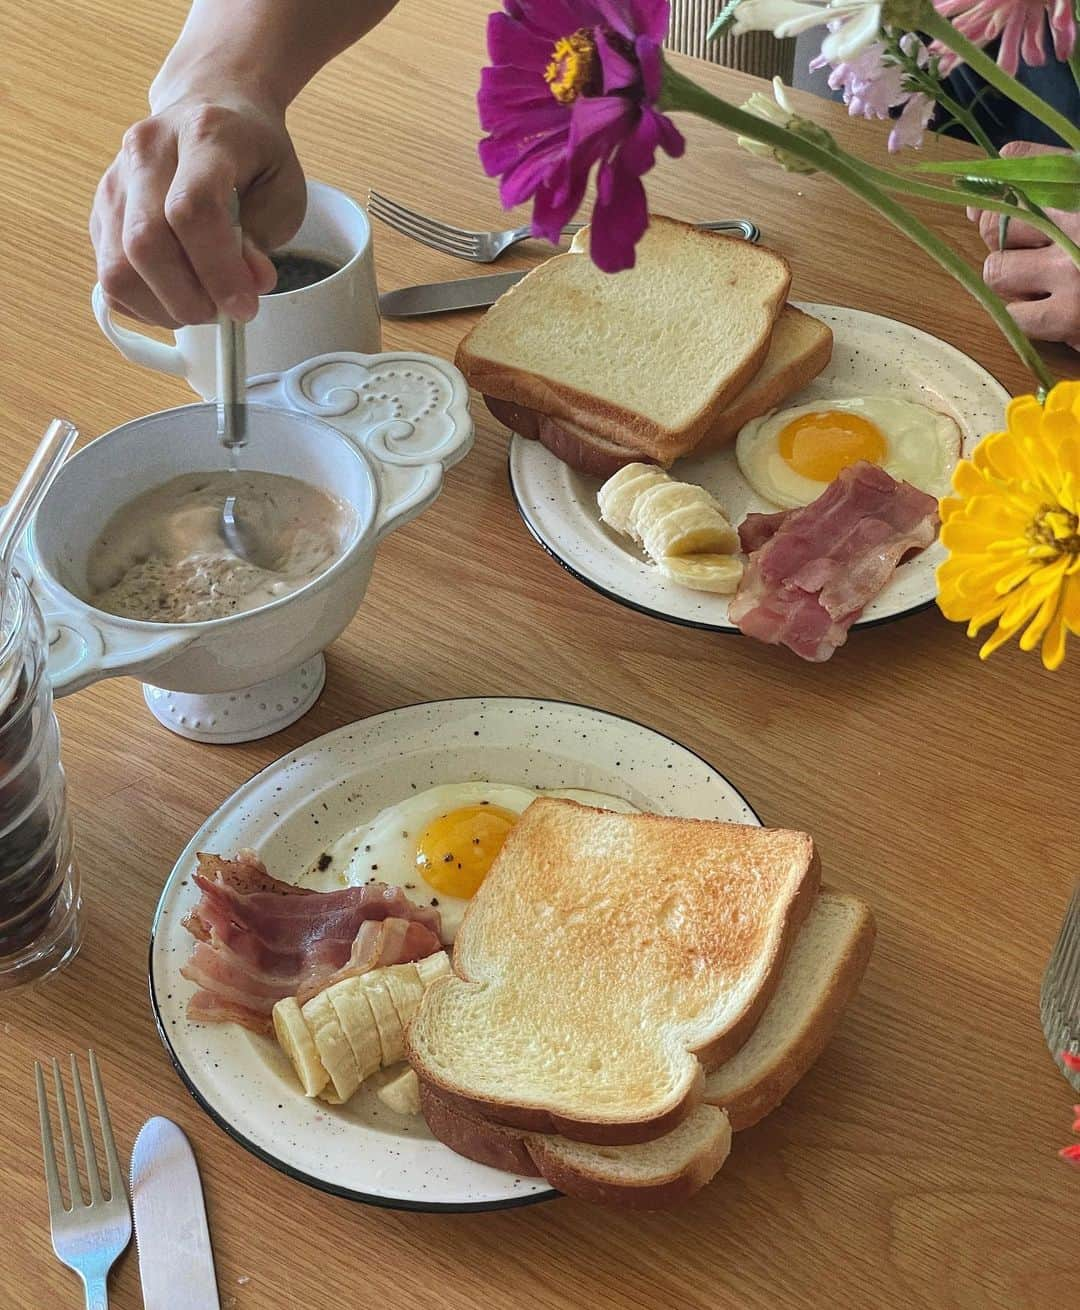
<point x="573" y="84"/>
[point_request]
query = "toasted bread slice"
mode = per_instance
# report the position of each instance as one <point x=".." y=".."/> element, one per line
<point x="800" y="349"/>
<point x="646" y="358"/>
<point x="607" y="959"/>
<point x="648" y="1176"/>
<point x="822" y="974"/>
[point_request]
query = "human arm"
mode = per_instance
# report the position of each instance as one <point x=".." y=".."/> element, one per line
<point x="160" y="223"/>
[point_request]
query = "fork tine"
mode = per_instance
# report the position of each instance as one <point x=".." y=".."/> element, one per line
<point x="116" y="1177"/>
<point x="75" y="1190"/>
<point x="48" y="1147"/>
<point x="434" y="225"/>
<point x="428" y="232"/>
<point x="89" y="1150"/>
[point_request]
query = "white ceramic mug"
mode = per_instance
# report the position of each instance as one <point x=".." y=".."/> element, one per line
<point x="339" y="313"/>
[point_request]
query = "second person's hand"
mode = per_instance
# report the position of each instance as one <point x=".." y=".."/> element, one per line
<point x="160" y="222"/>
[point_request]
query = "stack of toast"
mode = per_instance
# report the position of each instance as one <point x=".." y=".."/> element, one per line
<point x="670" y="357"/>
<point x="627" y="991"/>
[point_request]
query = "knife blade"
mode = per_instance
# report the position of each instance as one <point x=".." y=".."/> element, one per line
<point x="176" y="1261"/>
<point x="477" y="292"/>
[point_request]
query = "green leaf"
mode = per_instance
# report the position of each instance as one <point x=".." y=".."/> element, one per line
<point x="1047" y="195"/>
<point x="1058" y="169"/>
<point x="723" y="19"/>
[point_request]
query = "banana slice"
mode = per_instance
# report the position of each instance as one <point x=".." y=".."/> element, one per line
<point x="616" y="498"/>
<point x="332" y="1045"/>
<point x="401" y="1094"/>
<point x="432" y="967"/>
<point x="694" y="529"/>
<point x="406" y="991"/>
<point x="391" y="1035"/>
<point x="295" y="1039"/>
<point x="718" y="573"/>
<point x="661" y="499"/>
<point x="353" y="1009"/>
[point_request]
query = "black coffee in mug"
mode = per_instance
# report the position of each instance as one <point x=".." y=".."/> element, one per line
<point x="297" y="268"/>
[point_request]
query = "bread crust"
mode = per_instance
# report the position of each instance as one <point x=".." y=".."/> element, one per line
<point x="534" y="1156"/>
<point x="606" y="418"/>
<point x="750" y="1102"/>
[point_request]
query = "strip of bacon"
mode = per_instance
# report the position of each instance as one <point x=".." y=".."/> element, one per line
<point x="812" y="571"/>
<point x="258" y="940"/>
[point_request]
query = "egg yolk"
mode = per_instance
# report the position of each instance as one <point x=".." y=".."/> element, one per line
<point x="819" y="446"/>
<point x="456" y="850"/>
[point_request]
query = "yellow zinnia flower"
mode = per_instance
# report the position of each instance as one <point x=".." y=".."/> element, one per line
<point x="1012" y="529"/>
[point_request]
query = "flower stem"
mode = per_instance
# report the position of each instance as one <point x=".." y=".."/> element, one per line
<point x="932" y="24"/>
<point x="1034" y="216"/>
<point x="681" y="94"/>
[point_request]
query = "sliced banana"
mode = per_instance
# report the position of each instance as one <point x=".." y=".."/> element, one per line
<point x="295" y="1039"/>
<point x="406" y="991"/>
<point x="432" y="967"/>
<point x="391" y="1034"/>
<point x="617" y="497"/>
<point x="718" y="573"/>
<point x="332" y="1045"/>
<point x="691" y="530"/>
<point x="661" y="499"/>
<point x="401" y="1094"/>
<point x="353" y="1009"/>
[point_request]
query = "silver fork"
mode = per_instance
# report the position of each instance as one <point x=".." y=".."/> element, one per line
<point x="485" y="247"/>
<point x="86" y="1237"/>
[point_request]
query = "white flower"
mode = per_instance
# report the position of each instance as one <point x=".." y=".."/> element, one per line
<point x="781" y="112"/>
<point x="856" y="23"/>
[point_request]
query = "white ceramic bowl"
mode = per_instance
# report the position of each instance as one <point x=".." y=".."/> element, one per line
<point x="397" y="422"/>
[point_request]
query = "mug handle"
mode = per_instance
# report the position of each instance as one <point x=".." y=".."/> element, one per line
<point x="133" y="345"/>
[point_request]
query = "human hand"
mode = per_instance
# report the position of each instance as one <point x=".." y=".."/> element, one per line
<point x="160" y="224"/>
<point x="1038" y="280"/>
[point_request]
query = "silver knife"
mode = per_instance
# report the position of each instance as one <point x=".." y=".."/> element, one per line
<point x="475" y="292"/>
<point x="176" y="1262"/>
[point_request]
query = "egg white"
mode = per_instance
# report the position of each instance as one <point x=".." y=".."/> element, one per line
<point x="922" y="447"/>
<point x="384" y="850"/>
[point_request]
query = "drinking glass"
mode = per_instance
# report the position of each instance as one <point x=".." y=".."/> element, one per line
<point x="1060" y="999"/>
<point x="40" y="907"/>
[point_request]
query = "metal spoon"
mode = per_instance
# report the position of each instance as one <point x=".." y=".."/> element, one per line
<point x="232" y="422"/>
<point x="44" y="465"/>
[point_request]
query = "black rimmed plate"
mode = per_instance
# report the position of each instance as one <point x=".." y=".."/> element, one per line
<point x="302" y="803"/>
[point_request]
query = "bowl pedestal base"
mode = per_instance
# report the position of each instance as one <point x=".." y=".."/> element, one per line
<point x="229" y="717"/>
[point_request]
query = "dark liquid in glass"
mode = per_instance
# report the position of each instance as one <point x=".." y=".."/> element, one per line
<point x="296" y="269"/>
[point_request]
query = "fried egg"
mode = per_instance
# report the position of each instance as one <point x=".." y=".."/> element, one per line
<point x="439" y="844"/>
<point x="791" y="456"/>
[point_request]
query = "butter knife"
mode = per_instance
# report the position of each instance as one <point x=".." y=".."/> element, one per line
<point x="176" y="1262"/>
<point x="476" y="292"/>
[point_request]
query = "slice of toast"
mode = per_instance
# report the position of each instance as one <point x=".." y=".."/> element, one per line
<point x="822" y="974"/>
<point x="820" y="978"/>
<point x="800" y="348"/>
<point x="646" y="358"/>
<point x="647" y="1176"/>
<point x="605" y="961"/>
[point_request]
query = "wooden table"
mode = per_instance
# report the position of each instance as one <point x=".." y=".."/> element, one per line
<point x="915" y="1165"/>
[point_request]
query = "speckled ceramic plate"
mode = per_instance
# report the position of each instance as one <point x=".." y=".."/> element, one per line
<point x="870" y="354"/>
<point x="298" y="806"/>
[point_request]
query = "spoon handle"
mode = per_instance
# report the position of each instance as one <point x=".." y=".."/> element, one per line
<point x="44" y="464"/>
<point x="232" y="362"/>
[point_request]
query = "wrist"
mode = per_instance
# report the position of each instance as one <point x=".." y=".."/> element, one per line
<point x="210" y="78"/>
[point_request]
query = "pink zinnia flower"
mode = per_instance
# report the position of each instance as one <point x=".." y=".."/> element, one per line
<point x="1021" y="24"/>
<point x="575" y="83"/>
<point x="873" y="87"/>
<point x="1071" y="1154"/>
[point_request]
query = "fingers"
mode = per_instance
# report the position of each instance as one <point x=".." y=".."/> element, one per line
<point x="125" y="291"/>
<point x="197" y="209"/>
<point x="1018" y="234"/>
<point x="1051" y="319"/>
<point x="149" y="243"/>
<point x="1020" y="274"/>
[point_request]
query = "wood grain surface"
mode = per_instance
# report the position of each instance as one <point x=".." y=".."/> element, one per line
<point x="915" y="1166"/>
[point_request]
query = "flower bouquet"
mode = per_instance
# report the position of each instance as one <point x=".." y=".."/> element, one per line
<point x="578" y="88"/>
